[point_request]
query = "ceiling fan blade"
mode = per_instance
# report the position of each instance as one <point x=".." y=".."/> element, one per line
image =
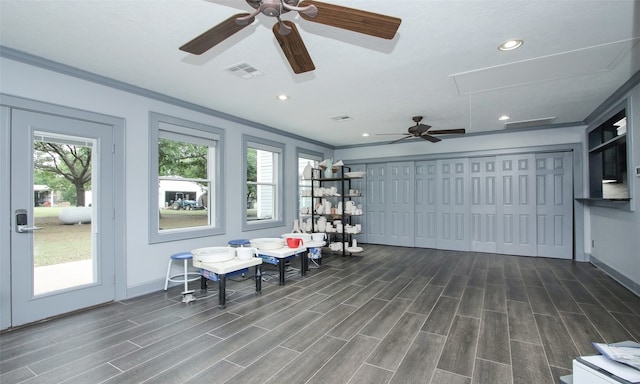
<point x="400" y="139"/>
<point x="430" y="138"/>
<point x="293" y="48"/>
<point x="446" y="131"/>
<point x="215" y="35"/>
<point x="394" y="134"/>
<point x="355" y="20"/>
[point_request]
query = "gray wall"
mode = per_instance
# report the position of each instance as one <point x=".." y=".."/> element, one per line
<point x="146" y="263"/>
<point x="615" y="233"/>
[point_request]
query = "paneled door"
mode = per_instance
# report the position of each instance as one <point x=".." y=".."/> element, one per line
<point x="483" y="202"/>
<point x="554" y="205"/>
<point x="453" y="204"/>
<point x="516" y="205"/>
<point x="62" y="257"/>
<point x="425" y="204"/>
<point x="401" y="211"/>
<point x="376" y="206"/>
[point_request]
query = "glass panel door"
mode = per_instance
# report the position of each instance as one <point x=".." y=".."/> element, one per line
<point x="62" y="256"/>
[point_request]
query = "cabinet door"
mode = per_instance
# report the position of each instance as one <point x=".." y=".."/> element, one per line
<point x="400" y="207"/>
<point x="516" y="205"/>
<point x="376" y="206"/>
<point x="554" y="205"/>
<point x="453" y="204"/>
<point x="425" y="204"/>
<point x="483" y="204"/>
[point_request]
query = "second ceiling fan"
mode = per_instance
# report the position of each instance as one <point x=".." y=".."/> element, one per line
<point x="286" y="33"/>
<point x="425" y="132"/>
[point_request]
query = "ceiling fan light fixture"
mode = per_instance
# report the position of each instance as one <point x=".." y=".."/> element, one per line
<point x="510" y="45"/>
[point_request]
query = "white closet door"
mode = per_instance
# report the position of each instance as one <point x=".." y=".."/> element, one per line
<point x="516" y="205"/>
<point x="426" y="204"/>
<point x="483" y="200"/>
<point x="400" y="214"/>
<point x="376" y="206"/>
<point x="554" y="204"/>
<point x="453" y="204"/>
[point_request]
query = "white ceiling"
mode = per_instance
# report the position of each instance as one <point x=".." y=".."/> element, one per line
<point x="443" y="63"/>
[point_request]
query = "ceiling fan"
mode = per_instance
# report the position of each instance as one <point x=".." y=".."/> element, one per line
<point x="286" y="33"/>
<point x="424" y="131"/>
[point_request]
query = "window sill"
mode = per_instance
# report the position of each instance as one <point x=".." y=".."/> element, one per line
<point x="618" y="203"/>
<point x="253" y="225"/>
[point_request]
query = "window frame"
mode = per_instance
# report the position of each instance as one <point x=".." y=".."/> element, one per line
<point x="279" y="209"/>
<point x="302" y="153"/>
<point x="216" y="209"/>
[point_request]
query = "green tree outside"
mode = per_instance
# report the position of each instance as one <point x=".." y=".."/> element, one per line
<point x="64" y="167"/>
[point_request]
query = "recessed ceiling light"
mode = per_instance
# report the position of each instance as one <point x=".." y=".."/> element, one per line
<point x="504" y="117"/>
<point x="510" y="44"/>
<point x="365" y="134"/>
<point x="283" y="97"/>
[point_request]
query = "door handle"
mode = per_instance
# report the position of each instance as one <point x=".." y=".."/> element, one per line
<point x="21" y="222"/>
<point x="25" y="229"/>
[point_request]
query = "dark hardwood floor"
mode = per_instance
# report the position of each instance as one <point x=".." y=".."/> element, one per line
<point x="388" y="315"/>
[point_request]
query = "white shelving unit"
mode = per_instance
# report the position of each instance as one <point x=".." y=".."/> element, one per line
<point x="333" y="199"/>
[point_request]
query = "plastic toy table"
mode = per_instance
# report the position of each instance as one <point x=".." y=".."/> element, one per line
<point x="279" y="256"/>
<point x="219" y="271"/>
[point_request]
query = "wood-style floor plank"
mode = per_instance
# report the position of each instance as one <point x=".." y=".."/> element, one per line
<point x="493" y="343"/>
<point x="491" y="372"/>
<point x="445" y="377"/>
<point x="556" y="340"/>
<point x="302" y="340"/>
<point x="380" y="325"/>
<point x="368" y="374"/>
<point x="522" y="324"/>
<point x="606" y="324"/>
<point x="529" y="364"/>
<point x="309" y="362"/>
<point x="393" y="347"/>
<point x="561" y="298"/>
<point x="440" y="319"/>
<point x="582" y="332"/>
<point x="455" y="286"/>
<point x="346" y="362"/>
<point x="459" y="351"/>
<point x="420" y="361"/>
<point x="471" y="302"/>
<point x="515" y="290"/>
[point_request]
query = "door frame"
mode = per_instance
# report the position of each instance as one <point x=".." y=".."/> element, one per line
<point x="9" y="103"/>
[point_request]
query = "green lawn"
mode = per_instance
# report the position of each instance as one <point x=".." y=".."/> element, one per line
<point x="59" y="243"/>
<point x="170" y="218"/>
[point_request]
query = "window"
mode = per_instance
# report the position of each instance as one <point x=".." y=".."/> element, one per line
<point x="304" y="185"/>
<point x="263" y="169"/>
<point x="185" y="175"/>
<point x="608" y="176"/>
